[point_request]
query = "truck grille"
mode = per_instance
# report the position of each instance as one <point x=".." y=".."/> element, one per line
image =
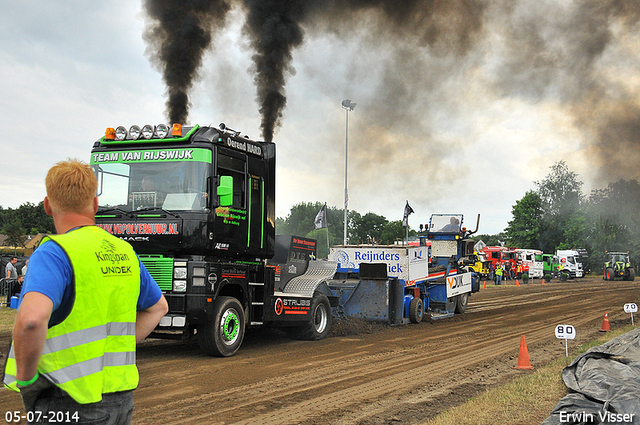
<point x="161" y="269"/>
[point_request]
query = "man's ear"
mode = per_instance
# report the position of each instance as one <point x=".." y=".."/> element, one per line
<point x="47" y="206"/>
<point x="95" y="205"/>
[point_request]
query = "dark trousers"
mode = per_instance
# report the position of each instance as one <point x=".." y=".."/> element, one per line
<point x="55" y="406"/>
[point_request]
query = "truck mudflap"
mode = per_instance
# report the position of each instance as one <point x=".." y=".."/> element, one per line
<point x="307" y="283"/>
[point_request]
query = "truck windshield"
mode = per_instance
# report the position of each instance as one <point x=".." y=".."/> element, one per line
<point x="445" y="223"/>
<point x="620" y="258"/>
<point x="135" y="186"/>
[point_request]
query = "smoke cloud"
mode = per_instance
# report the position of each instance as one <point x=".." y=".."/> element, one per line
<point x="559" y="51"/>
<point x="429" y="64"/>
<point x="178" y="33"/>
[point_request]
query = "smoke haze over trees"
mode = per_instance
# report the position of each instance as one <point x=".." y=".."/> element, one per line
<point x="558" y="216"/>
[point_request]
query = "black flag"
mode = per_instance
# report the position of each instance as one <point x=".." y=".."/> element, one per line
<point x="321" y="218"/>
<point x="407" y="210"/>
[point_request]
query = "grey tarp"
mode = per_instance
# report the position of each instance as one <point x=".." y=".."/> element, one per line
<point x="604" y="385"/>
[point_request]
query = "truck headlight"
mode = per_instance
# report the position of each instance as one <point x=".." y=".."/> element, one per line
<point x="162" y="130"/>
<point x="180" y="273"/>
<point x="147" y="131"/>
<point x="134" y="132"/>
<point x="121" y="133"/>
<point x="179" y="285"/>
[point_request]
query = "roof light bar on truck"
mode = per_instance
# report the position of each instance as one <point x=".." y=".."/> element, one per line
<point x="175" y="133"/>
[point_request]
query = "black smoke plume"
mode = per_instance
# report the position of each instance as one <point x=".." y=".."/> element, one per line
<point x="274" y="29"/>
<point x="178" y="34"/>
<point x="180" y="31"/>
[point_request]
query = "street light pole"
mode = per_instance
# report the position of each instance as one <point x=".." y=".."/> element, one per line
<point x="348" y="106"/>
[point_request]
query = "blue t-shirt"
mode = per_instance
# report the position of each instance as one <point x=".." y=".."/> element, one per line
<point x="50" y="274"/>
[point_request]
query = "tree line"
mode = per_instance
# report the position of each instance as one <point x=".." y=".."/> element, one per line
<point x="558" y="215"/>
<point x="27" y="219"/>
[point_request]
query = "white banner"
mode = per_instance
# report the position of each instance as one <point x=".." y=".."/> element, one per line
<point x="458" y="284"/>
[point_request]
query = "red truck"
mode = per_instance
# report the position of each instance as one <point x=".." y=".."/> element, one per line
<point x="501" y="254"/>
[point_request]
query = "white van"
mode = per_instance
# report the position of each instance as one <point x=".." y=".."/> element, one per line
<point x="570" y="262"/>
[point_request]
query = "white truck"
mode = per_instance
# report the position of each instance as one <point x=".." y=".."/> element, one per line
<point x="531" y="260"/>
<point x="569" y="261"/>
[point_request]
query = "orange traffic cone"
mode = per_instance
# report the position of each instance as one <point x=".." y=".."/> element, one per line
<point x="485" y="285"/>
<point x="523" y="356"/>
<point x="543" y="280"/>
<point x="517" y="283"/>
<point x="605" y="323"/>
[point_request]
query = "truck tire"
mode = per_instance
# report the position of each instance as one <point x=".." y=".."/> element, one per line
<point x="608" y="273"/>
<point x="319" y="324"/>
<point x="632" y="274"/>
<point x="223" y="335"/>
<point x="416" y="310"/>
<point x="462" y="301"/>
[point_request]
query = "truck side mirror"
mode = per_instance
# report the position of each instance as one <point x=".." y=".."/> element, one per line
<point x="225" y="191"/>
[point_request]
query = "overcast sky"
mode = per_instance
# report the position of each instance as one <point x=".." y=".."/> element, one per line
<point x="451" y="129"/>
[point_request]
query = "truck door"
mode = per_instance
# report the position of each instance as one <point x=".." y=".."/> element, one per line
<point x="255" y="239"/>
<point x="241" y="202"/>
<point x="231" y="221"/>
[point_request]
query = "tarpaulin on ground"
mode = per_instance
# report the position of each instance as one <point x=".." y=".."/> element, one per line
<point x="604" y="385"/>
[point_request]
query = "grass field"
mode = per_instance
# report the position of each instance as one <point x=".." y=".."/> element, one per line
<point x="7" y="317"/>
<point x="527" y="400"/>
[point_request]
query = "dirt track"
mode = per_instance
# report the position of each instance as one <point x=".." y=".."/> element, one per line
<point x="369" y="373"/>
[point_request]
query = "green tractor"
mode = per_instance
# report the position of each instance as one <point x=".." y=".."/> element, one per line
<point x="617" y="266"/>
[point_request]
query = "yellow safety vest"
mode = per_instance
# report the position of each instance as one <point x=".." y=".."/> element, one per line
<point x="93" y="351"/>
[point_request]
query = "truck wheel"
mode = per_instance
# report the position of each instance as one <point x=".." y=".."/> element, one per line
<point x="223" y="336"/>
<point x="608" y="273"/>
<point x="461" y="303"/>
<point x="416" y="310"/>
<point x="319" y="324"/>
<point x="632" y="274"/>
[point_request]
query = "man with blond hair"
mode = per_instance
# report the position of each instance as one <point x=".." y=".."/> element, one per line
<point x="85" y="304"/>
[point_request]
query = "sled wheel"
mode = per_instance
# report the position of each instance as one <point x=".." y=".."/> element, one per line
<point x="416" y="310"/>
<point x="462" y="301"/>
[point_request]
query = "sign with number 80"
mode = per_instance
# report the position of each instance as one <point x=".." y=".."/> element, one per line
<point x="565" y="332"/>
